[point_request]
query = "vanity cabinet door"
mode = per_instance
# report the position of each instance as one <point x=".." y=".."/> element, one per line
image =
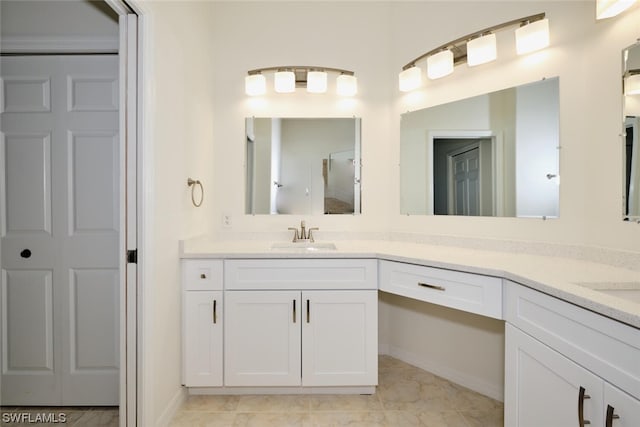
<point x="621" y="409"/>
<point x="202" y="339"/>
<point x="262" y="338"/>
<point x="340" y="338"/>
<point x="544" y="388"/>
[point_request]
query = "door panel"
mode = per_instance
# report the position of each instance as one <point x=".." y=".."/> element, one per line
<point x="26" y="94"/>
<point x="339" y="338"/>
<point x="27" y="183"/>
<point x="262" y="338"/>
<point x="29" y="335"/>
<point x="93" y="173"/>
<point x="61" y="201"/>
<point x="542" y="387"/>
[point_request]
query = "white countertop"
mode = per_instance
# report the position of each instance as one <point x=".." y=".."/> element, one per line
<point x="568" y="279"/>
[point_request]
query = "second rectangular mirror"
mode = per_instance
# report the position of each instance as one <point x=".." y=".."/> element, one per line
<point x="490" y="155"/>
<point x="304" y="166"/>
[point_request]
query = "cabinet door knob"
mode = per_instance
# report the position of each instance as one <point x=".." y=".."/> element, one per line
<point x="611" y="416"/>
<point x="581" y="398"/>
<point x="203" y="276"/>
<point x="25" y="253"/>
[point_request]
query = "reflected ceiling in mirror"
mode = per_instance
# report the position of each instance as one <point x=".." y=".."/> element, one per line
<point x="302" y="166"/>
<point x="495" y="154"/>
<point x="631" y="140"/>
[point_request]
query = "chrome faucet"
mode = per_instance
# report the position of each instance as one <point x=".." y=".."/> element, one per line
<point x="304" y="235"/>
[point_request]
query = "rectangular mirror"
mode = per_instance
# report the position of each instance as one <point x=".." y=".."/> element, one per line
<point x="495" y="154"/>
<point x="631" y="132"/>
<point x="302" y="166"/>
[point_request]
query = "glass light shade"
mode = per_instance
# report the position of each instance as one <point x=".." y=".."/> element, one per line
<point x="532" y="37"/>
<point x="410" y="79"/>
<point x="632" y="85"/>
<point x="316" y="82"/>
<point x="440" y="64"/>
<point x="255" y="84"/>
<point x="481" y="50"/>
<point x="346" y="85"/>
<point x="284" y="81"/>
<point x="611" y="8"/>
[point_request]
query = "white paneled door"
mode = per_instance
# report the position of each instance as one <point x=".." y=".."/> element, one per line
<point x="59" y="195"/>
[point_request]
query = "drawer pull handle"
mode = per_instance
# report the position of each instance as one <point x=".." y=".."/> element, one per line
<point x="436" y="287"/>
<point x="308" y="312"/>
<point x="294" y="311"/>
<point x="581" y="398"/>
<point x="611" y="416"/>
<point x="215" y="311"/>
<point x="203" y="276"/>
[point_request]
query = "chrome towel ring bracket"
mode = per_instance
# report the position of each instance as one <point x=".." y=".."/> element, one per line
<point x="193" y="184"/>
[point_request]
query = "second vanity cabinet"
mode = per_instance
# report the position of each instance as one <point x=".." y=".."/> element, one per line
<point x="567" y="366"/>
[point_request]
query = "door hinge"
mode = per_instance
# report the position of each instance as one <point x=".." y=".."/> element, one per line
<point x="132" y="256"/>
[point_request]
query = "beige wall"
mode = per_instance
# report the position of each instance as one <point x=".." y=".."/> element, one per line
<point x="375" y="39"/>
<point x="178" y="138"/>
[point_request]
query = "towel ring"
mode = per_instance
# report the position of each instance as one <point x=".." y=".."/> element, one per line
<point x="191" y="183"/>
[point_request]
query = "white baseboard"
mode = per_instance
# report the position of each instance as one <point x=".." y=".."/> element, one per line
<point x="462" y="378"/>
<point x="172" y="408"/>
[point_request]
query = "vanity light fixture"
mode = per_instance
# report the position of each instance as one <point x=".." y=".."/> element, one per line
<point x="440" y="64"/>
<point x="475" y="49"/>
<point x="481" y="50"/>
<point x="346" y="85"/>
<point x="284" y="81"/>
<point x="632" y="83"/>
<point x="410" y="78"/>
<point x="316" y="82"/>
<point x="287" y="79"/>
<point x="255" y="84"/>
<point x="611" y="8"/>
<point x="532" y="36"/>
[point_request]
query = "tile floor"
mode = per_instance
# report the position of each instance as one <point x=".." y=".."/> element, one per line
<point x="74" y="416"/>
<point x="406" y="396"/>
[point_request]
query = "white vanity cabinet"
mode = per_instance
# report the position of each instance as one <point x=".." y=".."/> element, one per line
<point x="202" y="308"/>
<point x="565" y="366"/>
<point x="295" y="322"/>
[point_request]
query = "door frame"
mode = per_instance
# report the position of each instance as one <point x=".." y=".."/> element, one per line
<point x="131" y="219"/>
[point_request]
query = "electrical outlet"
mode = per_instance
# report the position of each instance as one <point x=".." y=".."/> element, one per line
<point x="226" y="220"/>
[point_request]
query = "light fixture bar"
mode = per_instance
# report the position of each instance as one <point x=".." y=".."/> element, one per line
<point x="289" y="77"/>
<point x="458" y="46"/>
<point x="295" y="68"/>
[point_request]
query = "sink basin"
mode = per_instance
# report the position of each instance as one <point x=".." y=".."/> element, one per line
<point x="629" y="291"/>
<point x="304" y="246"/>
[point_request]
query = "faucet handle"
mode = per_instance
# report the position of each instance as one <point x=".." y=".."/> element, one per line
<point x="295" y="234"/>
<point x="310" y="235"/>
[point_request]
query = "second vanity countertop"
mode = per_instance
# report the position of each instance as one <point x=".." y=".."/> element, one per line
<point x="576" y="281"/>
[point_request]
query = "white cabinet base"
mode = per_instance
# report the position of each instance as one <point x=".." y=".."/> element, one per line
<point x="281" y="390"/>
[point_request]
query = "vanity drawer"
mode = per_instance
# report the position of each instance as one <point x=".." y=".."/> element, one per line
<point x="464" y="291"/>
<point x="202" y="274"/>
<point x="606" y="347"/>
<point x="281" y="274"/>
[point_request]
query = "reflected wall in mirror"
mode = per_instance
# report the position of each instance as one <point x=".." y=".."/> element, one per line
<point x="631" y="141"/>
<point x="495" y="154"/>
<point x="303" y="166"/>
